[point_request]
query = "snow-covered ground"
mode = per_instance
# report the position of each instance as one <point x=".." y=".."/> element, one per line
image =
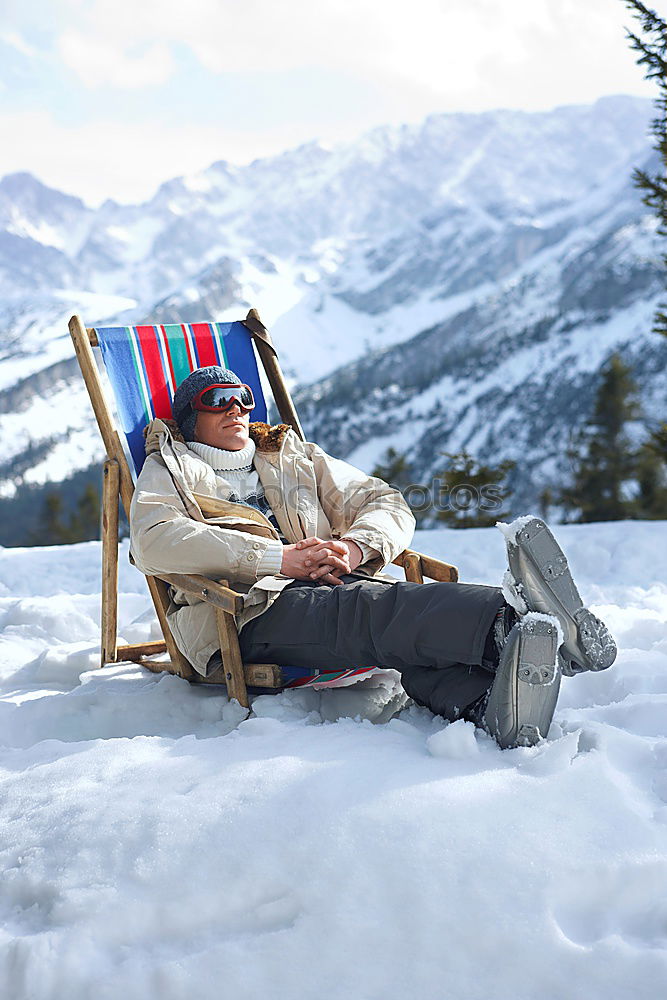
<point x="155" y="842"/>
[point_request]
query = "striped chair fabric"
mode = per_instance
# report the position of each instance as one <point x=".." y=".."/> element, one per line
<point x="146" y="364"/>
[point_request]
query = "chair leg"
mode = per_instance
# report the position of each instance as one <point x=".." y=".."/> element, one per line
<point x="110" y="488"/>
<point x="412" y="566"/>
<point x="231" y="657"/>
<point x="159" y="591"/>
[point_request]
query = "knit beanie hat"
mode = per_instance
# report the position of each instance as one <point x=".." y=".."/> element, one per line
<point x="184" y="415"/>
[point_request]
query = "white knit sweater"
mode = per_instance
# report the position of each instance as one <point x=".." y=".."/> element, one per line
<point x="236" y="468"/>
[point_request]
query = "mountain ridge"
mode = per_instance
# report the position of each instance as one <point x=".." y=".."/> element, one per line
<point x="482" y="236"/>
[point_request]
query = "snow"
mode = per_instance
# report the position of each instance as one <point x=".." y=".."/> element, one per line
<point x="158" y="842"/>
<point x="536" y="616"/>
<point x="77" y="452"/>
<point x="45" y="342"/>
<point x="582" y="351"/>
<point x="511" y="594"/>
<point x="137" y="238"/>
<point x="510" y="531"/>
<point x="42" y="232"/>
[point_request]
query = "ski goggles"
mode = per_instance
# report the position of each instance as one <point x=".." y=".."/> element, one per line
<point x="217" y="398"/>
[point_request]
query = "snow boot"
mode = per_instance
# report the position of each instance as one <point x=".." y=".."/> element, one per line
<point x="506" y="618"/>
<point x="541" y="578"/>
<point x="522" y="698"/>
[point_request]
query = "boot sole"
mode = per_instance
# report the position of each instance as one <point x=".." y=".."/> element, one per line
<point x="524" y="694"/>
<point x="543" y="580"/>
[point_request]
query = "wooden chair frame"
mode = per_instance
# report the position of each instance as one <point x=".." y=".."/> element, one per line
<point x="118" y="484"/>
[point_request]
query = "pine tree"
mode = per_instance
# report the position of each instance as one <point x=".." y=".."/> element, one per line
<point x="546" y="502"/>
<point x="395" y="469"/>
<point x="472" y="495"/>
<point x="659" y="442"/>
<point x="652" y="55"/>
<point x="54" y="530"/>
<point x="651" y="500"/>
<point x="605" y="463"/>
<point x="85" y="523"/>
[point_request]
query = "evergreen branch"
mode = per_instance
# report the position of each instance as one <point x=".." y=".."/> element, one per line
<point x="653" y="57"/>
<point x="660" y="321"/>
<point x="651" y="23"/>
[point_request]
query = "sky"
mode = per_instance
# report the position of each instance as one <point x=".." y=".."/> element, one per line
<point x="108" y="98"/>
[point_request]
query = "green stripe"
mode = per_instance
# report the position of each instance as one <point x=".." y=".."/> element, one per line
<point x="220" y="340"/>
<point x="178" y="353"/>
<point x="138" y="371"/>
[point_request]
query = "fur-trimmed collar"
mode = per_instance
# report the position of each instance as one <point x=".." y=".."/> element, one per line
<point x="267" y="437"/>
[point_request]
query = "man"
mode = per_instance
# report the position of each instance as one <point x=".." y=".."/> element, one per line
<point x="304" y="537"/>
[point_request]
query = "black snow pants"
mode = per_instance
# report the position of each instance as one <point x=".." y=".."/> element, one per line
<point x="433" y="633"/>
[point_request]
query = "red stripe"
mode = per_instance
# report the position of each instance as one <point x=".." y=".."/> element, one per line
<point x="157" y="380"/>
<point x="317" y="678"/>
<point x="186" y="341"/>
<point x="205" y="344"/>
<point x="165" y="341"/>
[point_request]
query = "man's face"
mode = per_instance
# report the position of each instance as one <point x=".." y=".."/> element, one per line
<point x="228" y="430"/>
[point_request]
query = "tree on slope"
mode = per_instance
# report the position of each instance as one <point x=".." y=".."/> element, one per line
<point x="58" y="526"/>
<point x="651" y="500"/>
<point x="652" y="56"/>
<point x="85" y="522"/>
<point x="54" y="529"/>
<point x="604" y="462"/>
<point x="472" y="495"/>
<point x="394" y="468"/>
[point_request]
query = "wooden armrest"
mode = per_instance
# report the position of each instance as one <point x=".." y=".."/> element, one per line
<point x="216" y="593"/>
<point x="419" y="564"/>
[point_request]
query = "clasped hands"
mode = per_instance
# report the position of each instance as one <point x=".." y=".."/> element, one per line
<point x="324" y="561"/>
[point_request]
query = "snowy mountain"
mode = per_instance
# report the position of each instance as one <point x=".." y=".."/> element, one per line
<point x="158" y="842"/>
<point x="512" y="370"/>
<point x="456" y="283"/>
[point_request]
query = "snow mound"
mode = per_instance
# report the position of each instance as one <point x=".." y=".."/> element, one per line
<point x="510" y="531"/>
<point x="457" y="741"/>
<point x="159" y="841"/>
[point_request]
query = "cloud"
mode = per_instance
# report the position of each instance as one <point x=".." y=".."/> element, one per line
<point x="100" y="61"/>
<point x="372" y="63"/>
<point x="100" y="160"/>
<point x="18" y="42"/>
<point x="441" y="47"/>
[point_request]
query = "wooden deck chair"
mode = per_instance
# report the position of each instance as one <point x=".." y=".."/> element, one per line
<point x="145" y="364"/>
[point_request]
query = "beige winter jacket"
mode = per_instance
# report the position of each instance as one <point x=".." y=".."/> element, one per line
<point x="182" y="522"/>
